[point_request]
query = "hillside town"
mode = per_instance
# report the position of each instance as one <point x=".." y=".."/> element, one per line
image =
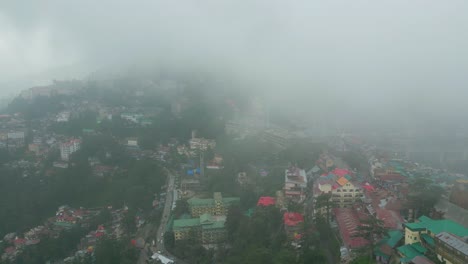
<point x="277" y="188"/>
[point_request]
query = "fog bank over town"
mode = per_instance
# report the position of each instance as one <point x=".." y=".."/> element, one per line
<point x="400" y="61"/>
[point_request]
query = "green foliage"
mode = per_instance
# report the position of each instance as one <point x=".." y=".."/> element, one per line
<point x="169" y="240"/>
<point x="303" y="153"/>
<point x="52" y="249"/>
<point x="423" y="196"/>
<point x="355" y="160"/>
<point x="4" y="156"/>
<point x="362" y="260"/>
<point x="234" y="217"/>
<point x="25" y="202"/>
<point x="37" y="108"/>
<point x="370" y="229"/>
<point x="314" y="256"/>
<point x="181" y="208"/>
<point x="110" y="251"/>
<point x="128" y="222"/>
<point x="75" y="126"/>
<point x="324" y="201"/>
<point x="193" y="252"/>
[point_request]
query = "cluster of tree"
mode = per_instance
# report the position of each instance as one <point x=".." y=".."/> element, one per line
<point x="37" y="108"/>
<point x="423" y="196"/>
<point x="75" y="126"/>
<point x="256" y="239"/>
<point x="355" y="160"/>
<point x="26" y="202"/>
<point x="110" y="251"/>
<point x="52" y="249"/>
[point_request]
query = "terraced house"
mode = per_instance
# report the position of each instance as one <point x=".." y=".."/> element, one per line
<point x="217" y="206"/>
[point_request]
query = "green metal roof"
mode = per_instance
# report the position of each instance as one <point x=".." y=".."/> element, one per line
<point x="419" y="247"/>
<point x="429" y="240"/>
<point x="205" y="219"/>
<point x="445" y="225"/>
<point x="229" y="200"/>
<point x="210" y="201"/>
<point x="405" y="260"/>
<point x="185" y="223"/>
<point x="415" y="226"/>
<point x="394" y="237"/>
<point x="214" y="225"/>
<point x="250" y="212"/>
<point x="408" y="251"/>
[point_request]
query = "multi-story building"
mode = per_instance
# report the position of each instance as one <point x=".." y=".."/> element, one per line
<point x="422" y="236"/>
<point x="295" y="184"/>
<point x="219" y="205"/>
<point x="426" y="227"/>
<point x="344" y="192"/>
<point x="63" y="116"/>
<point x="202" y="143"/>
<point x="131" y="117"/>
<point x="16" y="139"/>
<point x="132" y="142"/>
<point x="207" y="228"/>
<point x="68" y="148"/>
<point x="451" y="249"/>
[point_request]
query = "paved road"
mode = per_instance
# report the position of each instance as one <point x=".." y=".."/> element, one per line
<point x="166" y="213"/>
<point x="159" y="239"/>
<point x="159" y="245"/>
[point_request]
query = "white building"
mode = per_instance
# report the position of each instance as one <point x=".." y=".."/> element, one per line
<point x="63" y="116"/>
<point x="134" y="118"/>
<point x="132" y="142"/>
<point x="69" y="147"/>
<point x="202" y="143"/>
<point x="16" y="139"/>
<point x="162" y="259"/>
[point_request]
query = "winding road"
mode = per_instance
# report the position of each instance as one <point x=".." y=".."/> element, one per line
<point x="159" y="239"/>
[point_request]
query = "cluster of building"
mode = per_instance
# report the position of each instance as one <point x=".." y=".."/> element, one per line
<point x="207" y="222"/>
<point x="444" y="238"/>
<point x="201" y="144"/>
<point x="88" y="243"/>
<point x="69" y="147"/>
<point x="12" y="132"/>
<point x="64" y="219"/>
<point x="382" y="195"/>
<point x="58" y="88"/>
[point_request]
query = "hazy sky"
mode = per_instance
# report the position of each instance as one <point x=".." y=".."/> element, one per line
<point x="383" y="57"/>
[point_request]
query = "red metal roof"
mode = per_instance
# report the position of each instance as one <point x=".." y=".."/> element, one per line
<point x="341" y="172"/>
<point x="348" y="222"/>
<point x="266" y="201"/>
<point x="292" y="219"/>
<point x="391" y="219"/>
